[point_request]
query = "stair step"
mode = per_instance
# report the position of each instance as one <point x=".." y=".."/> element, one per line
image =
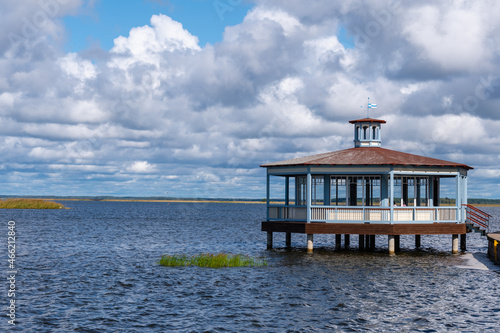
<point x="476" y="229"/>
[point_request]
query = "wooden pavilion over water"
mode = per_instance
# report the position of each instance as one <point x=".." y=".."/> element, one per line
<point x="366" y="190"/>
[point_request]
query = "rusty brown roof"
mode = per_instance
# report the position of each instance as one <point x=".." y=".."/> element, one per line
<point x="364" y="120"/>
<point x="367" y="156"/>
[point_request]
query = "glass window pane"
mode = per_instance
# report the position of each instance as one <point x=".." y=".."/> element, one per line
<point x="301" y="191"/>
<point x="338" y="191"/>
<point x="292" y="191"/>
<point x="410" y="199"/>
<point x="375" y="195"/>
<point x="277" y="189"/>
<point x="398" y="181"/>
<point x="422" y="191"/>
<point x="447" y="191"/>
<point x="318" y="190"/>
<point x="360" y="191"/>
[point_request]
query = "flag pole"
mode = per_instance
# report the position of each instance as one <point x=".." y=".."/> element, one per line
<point x="368" y="109"/>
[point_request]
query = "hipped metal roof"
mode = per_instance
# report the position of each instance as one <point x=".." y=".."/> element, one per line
<point x="367" y="120"/>
<point x="364" y="156"/>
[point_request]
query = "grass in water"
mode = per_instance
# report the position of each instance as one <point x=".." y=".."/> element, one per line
<point x="218" y="260"/>
<point x="29" y="204"/>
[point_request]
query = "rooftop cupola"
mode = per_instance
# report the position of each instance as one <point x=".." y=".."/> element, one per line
<point x="367" y="132"/>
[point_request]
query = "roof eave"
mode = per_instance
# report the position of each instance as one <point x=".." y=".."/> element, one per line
<point x="368" y="165"/>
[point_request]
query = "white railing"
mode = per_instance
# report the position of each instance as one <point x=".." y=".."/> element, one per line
<point x="353" y="214"/>
<point x="363" y="214"/>
<point x="291" y="213"/>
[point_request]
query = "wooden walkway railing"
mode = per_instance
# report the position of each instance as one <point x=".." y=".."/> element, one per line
<point x="477" y="216"/>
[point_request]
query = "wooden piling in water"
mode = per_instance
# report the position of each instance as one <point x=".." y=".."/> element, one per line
<point x="454" y="241"/>
<point x="397" y="242"/>
<point x="347" y="241"/>
<point x="361" y="242"/>
<point x="310" y="244"/>
<point x="391" y="244"/>
<point x="338" y="241"/>
<point x="463" y="242"/>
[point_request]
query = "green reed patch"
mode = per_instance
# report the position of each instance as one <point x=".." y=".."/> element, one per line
<point x="218" y="260"/>
<point x="29" y="204"/>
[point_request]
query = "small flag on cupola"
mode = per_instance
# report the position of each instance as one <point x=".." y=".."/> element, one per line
<point x="370" y="106"/>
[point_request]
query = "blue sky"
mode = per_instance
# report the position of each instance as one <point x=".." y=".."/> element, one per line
<point x="100" y="22"/>
<point x="188" y="98"/>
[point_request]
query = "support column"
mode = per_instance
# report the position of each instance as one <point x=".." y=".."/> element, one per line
<point x="372" y="242"/>
<point x="338" y="242"/>
<point x="418" y="196"/>
<point x="310" y="245"/>
<point x="287" y="190"/>
<point x="268" y="193"/>
<point x="391" y="198"/>
<point x="288" y="240"/>
<point x="269" y="240"/>
<point x="309" y="195"/>
<point x="458" y="199"/>
<point x="454" y="244"/>
<point x="418" y="241"/>
<point x="463" y="242"/>
<point x="404" y="191"/>
<point x="347" y="241"/>
<point x="397" y="242"/>
<point x="436" y="191"/>
<point x="361" y="242"/>
<point x="367" y="241"/>
<point x="392" y="244"/>
<point x="326" y="190"/>
<point x="431" y="191"/>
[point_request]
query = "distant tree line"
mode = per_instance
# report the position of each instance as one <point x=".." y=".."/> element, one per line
<point x="472" y="201"/>
<point x="483" y="201"/>
<point x="446" y="201"/>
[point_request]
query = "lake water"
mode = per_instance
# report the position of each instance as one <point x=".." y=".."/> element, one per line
<point x="93" y="268"/>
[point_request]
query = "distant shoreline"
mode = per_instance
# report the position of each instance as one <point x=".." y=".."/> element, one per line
<point x="177" y="200"/>
<point x="486" y="205"/>
<point x="144" y="200"/>
<point x="185" y="201"/>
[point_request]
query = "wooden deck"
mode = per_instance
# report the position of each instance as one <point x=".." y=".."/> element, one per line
<point x="494" y="247"/>
<point x="366" y="229"/>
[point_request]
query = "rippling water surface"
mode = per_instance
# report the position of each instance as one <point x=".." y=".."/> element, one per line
<point x="93" y="268"/>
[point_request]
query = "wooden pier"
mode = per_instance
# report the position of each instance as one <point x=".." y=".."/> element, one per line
<point x="494" y="247"/>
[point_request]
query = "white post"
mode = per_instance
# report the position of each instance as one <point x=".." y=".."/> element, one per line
<point x="430" y="193"/>
<point x="464" y="212"/>
<point x="392" y="244"/>
<point x="287" y="190"/>
<point x="391" y="202"/>
<point x="308" y="195"/>
<point x="465" y="189"/>
<point x="267" y="193"/>
<point x="455" y="244"/>
<point x="310" y="245"/>
<point x="458" y="196"/>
